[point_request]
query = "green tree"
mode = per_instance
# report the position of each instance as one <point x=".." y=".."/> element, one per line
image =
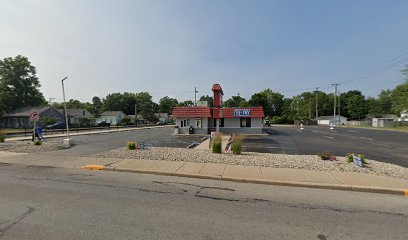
<point x="209" y="99"/>
<point x="353" y="105"/>
<point x="19" y="85"/>
<point x="98" y="106"/>
<point x="235" y="101"/>
<point x="167" y="104"/>
<point x="270" y="101"/>
<point x="187" y="103"/>
<point x="400" y="94"/>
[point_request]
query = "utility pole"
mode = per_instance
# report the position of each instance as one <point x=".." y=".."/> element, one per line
<point x="310" y="106"/>
<point x="317" y="100"/>
<point x="335" y="102"/>
<point x="339" y="109"/>
<point x="195" y="96"/>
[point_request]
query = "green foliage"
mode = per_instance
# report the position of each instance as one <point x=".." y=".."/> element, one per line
<point x="325" y="155"/>
<point x="209" y="99"/>
<point x="217" y="143"/>
<point x="97" y="106"/>
<point x="400" y="98"/>
<point x="48" y="120"/>
<point x="353" y="105"/>
<point x="126" y="121"/>
<point x="131" y="145"/>
<point x="282" y="120"/>
<point x="187" y="103"/>
<point x="236" y="101"/>
<point x="19" y="85"/>
<point x="167" y="104"/>
<point x="237" y="142"/>
<point x="37" y="143"/>
<point x="84" y="121"/>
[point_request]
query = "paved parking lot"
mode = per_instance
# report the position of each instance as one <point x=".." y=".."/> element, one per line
<point x="157" y="137"/>
<point x="386" y="146"/>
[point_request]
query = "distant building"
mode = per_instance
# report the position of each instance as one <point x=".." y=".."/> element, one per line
<point x="139" y="119"/>
<point x="404" y="116"/>
<point x="328" y="120"/>
<point x="20" y="118"/>
<point x="75" y="115"/>
<point x="112" y="117"/>
<point x="163" y="117"/>
<point x="383" y="122"/>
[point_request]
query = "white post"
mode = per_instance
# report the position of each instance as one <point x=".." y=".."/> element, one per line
<point x="65" y="106"/>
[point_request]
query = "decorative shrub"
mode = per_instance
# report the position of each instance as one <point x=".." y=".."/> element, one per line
<point x="2" y="137"/>
<point x="131" y="145"/>
<point x="217" y="143"/>
<point x="325" y="155"/>
<point x="237" y="142"/>
<point x="37" y="143"/>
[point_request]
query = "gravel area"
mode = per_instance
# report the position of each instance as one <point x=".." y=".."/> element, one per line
<point x="29" y="147"/>
<point x="310" y="162"/>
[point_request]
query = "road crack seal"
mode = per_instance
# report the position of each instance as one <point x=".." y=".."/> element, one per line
<point x="18" y="219"/>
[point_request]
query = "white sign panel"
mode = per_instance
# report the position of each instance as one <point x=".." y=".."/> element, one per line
<point x="242" y="113"/>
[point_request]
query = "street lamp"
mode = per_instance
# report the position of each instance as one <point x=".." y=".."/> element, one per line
<point x="69" y="141"/>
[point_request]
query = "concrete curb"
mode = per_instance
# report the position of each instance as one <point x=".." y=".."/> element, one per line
<point x="353" y="188"/>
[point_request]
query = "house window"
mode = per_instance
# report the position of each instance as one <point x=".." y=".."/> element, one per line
<point x="83" y="113"/>
<point x="181" y="123"/>
<point x="245" y="122"/>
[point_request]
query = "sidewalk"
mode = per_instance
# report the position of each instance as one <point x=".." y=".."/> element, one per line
<point x="86" y="133"/>
<point x="237" y="173"/>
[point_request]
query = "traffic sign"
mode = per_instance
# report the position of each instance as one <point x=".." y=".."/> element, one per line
<point x="34" y="116"/>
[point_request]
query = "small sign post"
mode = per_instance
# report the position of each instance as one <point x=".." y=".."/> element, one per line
<point x="34" y="117"/>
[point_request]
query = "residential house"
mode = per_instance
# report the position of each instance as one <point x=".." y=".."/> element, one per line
<point x="383" y="122"/>
<point x="112" y="117"/>
<point x="20" y="118"/>
<point x="404" y="116"/>
<point x="163" y="117"/>
<point x="137" y="119"/>
<point x="328" y="120"/>
<point x="75" y="116"/>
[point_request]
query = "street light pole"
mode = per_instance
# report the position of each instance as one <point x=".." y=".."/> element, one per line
<point x="67" y="141"/>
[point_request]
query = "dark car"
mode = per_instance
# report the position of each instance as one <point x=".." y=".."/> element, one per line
<point x="104" y="124"/>
<point x="57" y="125"/>
<point x="160" y="123"/>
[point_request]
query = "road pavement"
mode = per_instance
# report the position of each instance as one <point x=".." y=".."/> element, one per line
<point x="58" y="203"/>
<point x="157" y="137"/>
<point x="385" y="146"/>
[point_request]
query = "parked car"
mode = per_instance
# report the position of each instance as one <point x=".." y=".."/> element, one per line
<point x="160" y="123"/>
<point x="57" y="125"/>
<point x="104" y="124"/>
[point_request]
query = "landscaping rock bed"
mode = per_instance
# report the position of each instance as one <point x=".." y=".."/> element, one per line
<point x="29" y="147"/>
<point x="309" y="162"/>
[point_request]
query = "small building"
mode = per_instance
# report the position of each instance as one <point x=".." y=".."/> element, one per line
<point x="383" y="122"/>
<point x="163" y="117"/>
<point x="328" y="120"/>
<point x="75" y="116"/>
<point x="20" y="118"/>
<point x="204" y="119"/>
<point x="404" y="116"/>
<point x="112" y="117"/>
<point x="138" y="119"/>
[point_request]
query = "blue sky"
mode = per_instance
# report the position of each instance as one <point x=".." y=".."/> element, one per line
<point x="169" y="47"/>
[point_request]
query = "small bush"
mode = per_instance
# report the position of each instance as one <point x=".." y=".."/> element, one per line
<point x="131" y="145"/>
<point x="2" y="137"/>
<point x="217" y="144"/>
<point x="325" y="155"/>
<point x="237" y="142"/>
<point x="37" y="143"/>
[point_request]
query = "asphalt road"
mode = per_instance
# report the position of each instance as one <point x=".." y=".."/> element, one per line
<point x="385" y="146"/>
<point x="157" y="137"/>
<point x="59" y="203"/>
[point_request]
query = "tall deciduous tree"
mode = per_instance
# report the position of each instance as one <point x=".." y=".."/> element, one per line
<point x="19" y="85"/>
<point x="400" y="95"/>
<point x="209" y="99"/>
<point x="236" y="101"/>
<point x="98" y="106"/>
<point x="166" y="104"/>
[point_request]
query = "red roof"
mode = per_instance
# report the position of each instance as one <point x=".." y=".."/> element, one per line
<point x="255" y="112"/>
<point x="192" y="112"/>
<point x="217" y="87"/>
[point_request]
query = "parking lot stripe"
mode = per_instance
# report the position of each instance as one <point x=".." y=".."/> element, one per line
<point x="329" y="137"/>
<point x="365" y="138"/>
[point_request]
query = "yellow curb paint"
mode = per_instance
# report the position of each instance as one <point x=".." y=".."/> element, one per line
<point x="406" y="192"/>
<point x="93" y="167"/>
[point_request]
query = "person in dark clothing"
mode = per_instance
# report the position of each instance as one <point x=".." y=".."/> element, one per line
<point x="35" y="135"/>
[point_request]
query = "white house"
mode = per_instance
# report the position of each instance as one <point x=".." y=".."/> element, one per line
<point x="404" y="116"/>
<point x="112" y="117"/>
<point x="328" y="120"/>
